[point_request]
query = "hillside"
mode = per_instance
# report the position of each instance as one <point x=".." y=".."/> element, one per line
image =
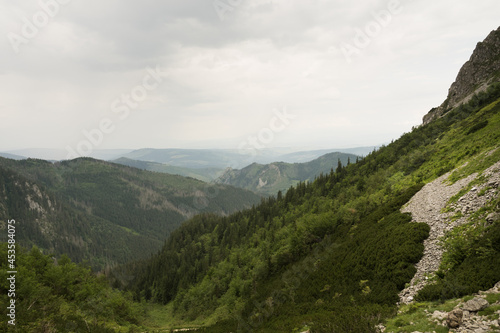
<point x="271" y="178"/>
<point x="203" y="174"/>
<point x="103" y="212"/>
<point x="333" y="255"/>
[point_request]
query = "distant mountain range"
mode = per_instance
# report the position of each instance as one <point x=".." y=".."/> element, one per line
<point x="61" y="154"/>
<point x="205" y="174"/>
<point x="194" y="158"/>
<point x="271" y="178"/>
<point x="12" y="156"/>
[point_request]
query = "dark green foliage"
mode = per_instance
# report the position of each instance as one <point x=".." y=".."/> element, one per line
<point x="478" y="270"/>
<point x="62" y="296"/>
<point x="332" y="254"/>
<point x="102" y="212"/>
<point x="477" y="127"/>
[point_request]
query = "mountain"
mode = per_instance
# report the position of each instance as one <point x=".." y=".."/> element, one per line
<point x="309" y="155"/>
<point x="339" y="253"/>
<point x="12" y="156"/>
<point x="191" y="158"/>
<point x="206" y="175"/>
<point x="476" y="75"/>
<point x="236" y="159"/>
<point x="102" y="212"/>
<point x="271" y="178"/>
<point x="62" y="154"/>
<point x="391" y="243"/>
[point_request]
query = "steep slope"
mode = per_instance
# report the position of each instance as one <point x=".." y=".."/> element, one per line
<point x="102" y="212"/>
<point x="61" y="296"/>
<point x="335" y="253"/>
<point x="429" y="206"/>
<point x="271" y="178"/>
<point x="477" y="74"/>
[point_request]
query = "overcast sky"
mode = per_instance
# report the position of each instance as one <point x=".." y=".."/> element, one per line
<point x="214" y="74"/>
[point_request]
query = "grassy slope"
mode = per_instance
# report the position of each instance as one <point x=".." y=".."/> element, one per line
<point x="417" y="157"/>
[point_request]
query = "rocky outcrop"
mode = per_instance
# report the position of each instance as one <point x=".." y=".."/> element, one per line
<point x="460" y="319"/>
<point x="482" y="69"/>
<point x="427" y="206"/>
<point x="454" y="318"/>
<point x="474" y="322"/>
<point x="476" y="304"/>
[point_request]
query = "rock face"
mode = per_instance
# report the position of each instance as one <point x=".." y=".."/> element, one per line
<point x="482" y="69"/>
<point x="476" y="304"/>
<point x="454" y="318"/>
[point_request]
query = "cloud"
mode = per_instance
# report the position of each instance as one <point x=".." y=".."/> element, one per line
<point x="226" y="74"/>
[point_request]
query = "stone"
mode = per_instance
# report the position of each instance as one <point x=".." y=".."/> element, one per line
<point x="439" y="315"/>
<point x="476" y="304"/>
<point x="492" y="217"/>
<point x="454" y="318"/>
<point x="466" y="315"/>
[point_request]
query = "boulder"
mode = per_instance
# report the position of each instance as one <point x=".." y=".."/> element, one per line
<point x="438" y="315"/>
<point x="454" y="318"/>
<point x="476" y="304"/>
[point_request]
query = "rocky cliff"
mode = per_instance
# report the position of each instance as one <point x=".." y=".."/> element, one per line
<point x="482" y="69"/>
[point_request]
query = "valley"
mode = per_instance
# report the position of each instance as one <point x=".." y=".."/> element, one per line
<point x="402" y="238"/>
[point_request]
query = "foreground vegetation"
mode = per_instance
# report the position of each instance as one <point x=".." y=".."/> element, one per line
<point x="61" y="296"/>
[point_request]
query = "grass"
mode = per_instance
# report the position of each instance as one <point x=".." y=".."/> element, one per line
<point x="417" y="317"/>
<point x="160" y="318"/>
<point x="493" y="298"/>
<point x="490" y="312"/>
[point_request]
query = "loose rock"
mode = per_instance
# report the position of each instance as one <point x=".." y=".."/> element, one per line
<point x="476" y="304"/>
<point x="454" y="319"/>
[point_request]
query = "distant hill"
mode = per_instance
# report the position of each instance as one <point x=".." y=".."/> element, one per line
<point x="62" y="154"/>
<point x="236" y="159"/>
<point x="206" y="174"/>
<point x="12" y="156"/>
<point x="190" y="158"/>
<point x="102" y="212"/>
<point x="271" y="178"/>
<point x="309" y="155"/>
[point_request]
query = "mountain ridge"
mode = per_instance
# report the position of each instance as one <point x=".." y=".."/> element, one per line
<point x="476" y="75"/>
<point x="271" y="178"/>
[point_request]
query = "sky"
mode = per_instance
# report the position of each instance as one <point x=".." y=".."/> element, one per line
<point x="84" y="75"/>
